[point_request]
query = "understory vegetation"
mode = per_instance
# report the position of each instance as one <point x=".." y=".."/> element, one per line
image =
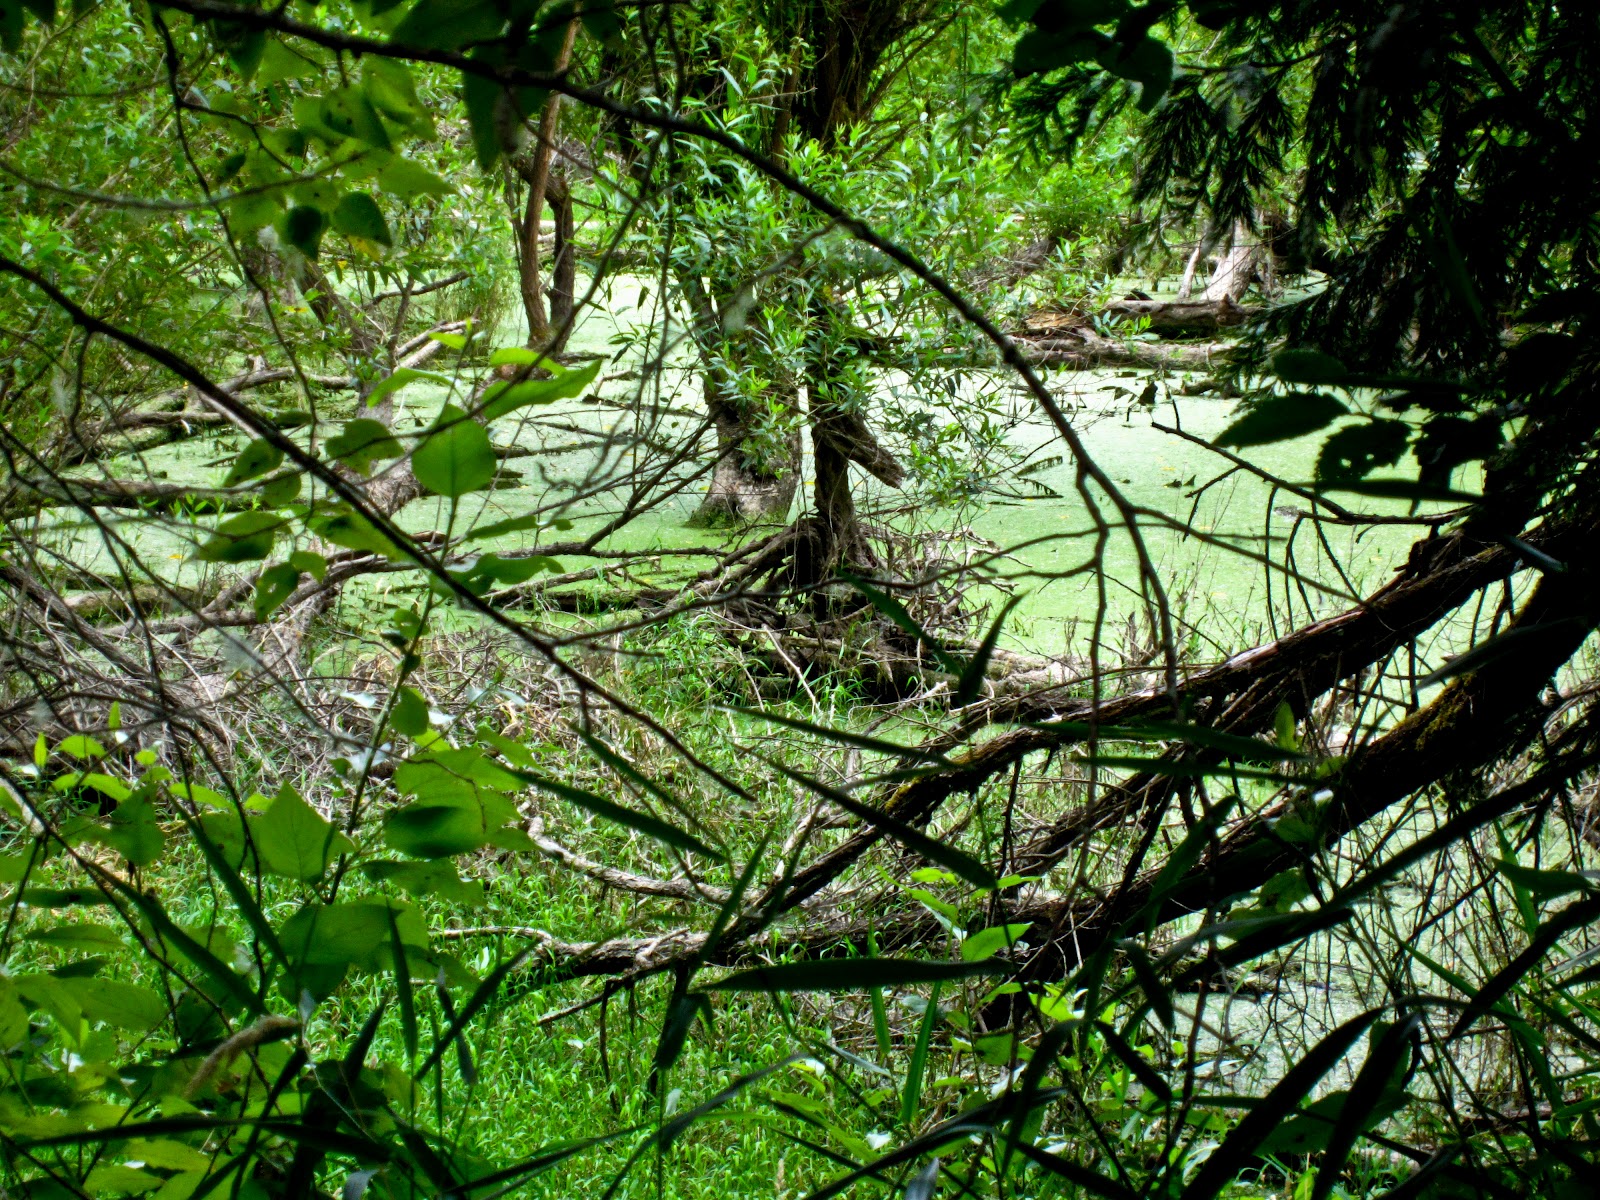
<point x="799" y="598"/>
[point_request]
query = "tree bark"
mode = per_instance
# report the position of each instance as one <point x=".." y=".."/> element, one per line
<point x="534" y="168"/>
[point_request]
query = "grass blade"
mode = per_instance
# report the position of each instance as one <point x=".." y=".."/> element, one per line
<point x="629" y="818"/>
<point x="972" y="677"/>
<point x="848" y="974"/>
<point x="859" y="740"/>
<point x="1239" y="1147"/>
<point x="1365" y="1094"/>
<point x="949" y="857"/>
<point x="911" y="1096"/>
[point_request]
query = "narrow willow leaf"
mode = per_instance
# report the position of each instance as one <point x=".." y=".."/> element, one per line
<point x="849" y="974"/>
<point x="949" y="857"/>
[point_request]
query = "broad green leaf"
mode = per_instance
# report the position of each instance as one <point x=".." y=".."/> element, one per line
<point x="455" y="457"/>
<point x="115" y="1179"/>
<point x="92" y="939"/>
<point x="1311" y="367"/>
<point x="1279" y="418"/>
<point x="348" y="112"/>
<point x="986" y="943"/>
<point x="257" y="458"/>
<point x="449" y="24"/>
<point x="427" y="879"/>
<point x="437" y="830"/>
<point x="1147" y="61"/>
<point x="406" y="179"/>
<point x="295" y="840"/>
<point x="1354" y="452"/>
<point x="506" y="397"/>
<point x="363" y="441"/>
<point x="302" y="227"/>
<point x="394" y="383"/>
<point x="410" y="714"/>
<point x="353" y="531"/>
<point x="358" y="216"/>
<point x="245" y="537"/>
<point x="120" y="1004"/>
<point x="352" y="933"/>
<point x="273" y="586"/>
<point x="81" y="747"/>
<point x="133" y="830"/>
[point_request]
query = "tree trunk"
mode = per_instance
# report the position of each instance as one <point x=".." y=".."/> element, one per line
<point x="1237" y="269"/>
<point x="534" y="168"/>
<point x="564" y="263"/>
<point x="743" y="490"/>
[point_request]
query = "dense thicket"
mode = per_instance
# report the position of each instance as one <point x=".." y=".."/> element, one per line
<point x="497" y="544"/>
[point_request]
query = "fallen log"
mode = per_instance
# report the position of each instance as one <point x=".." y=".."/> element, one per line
<point x="1078" y="346"/>
<point x="1184" y="318"/>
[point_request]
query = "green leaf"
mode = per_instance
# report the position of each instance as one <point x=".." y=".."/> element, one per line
<point x="455" y="457"/>
<point x="1355" y="451"/>
<point x="1279" y="418"/>
<point x="310" y="564"/>
<point x="117" y="1180"/>
<point x="352" y="933"/>
<point x="245" y="537"/>
<point x="1038" y="51"/>
<point x="1309" y="367"/>
<point x="896" y="612"/>
<point x="123" y="1005"/>
<point x="133" y="831"/>
<point x="406" y="179"/>
<point x="629" y="818"/>
<point x="259" y="457"/>
<point x="1147" y="61"/>
<point x="1545" y="885"/>
<point x="426" y="879"/>
<point x="295" y="840"/>
<point x="354" y="531"/>
<point x="79" y="746"/>
<point x="280" y="61"/>
<point x="410" y="715"/>
<point x="348" y="112"/>
<point x="1239" y="1147"/>
<point x="487" y="107"/>
<point x="516" y="525"/>
<point x="92" y="939"/>
<point x="437" y="830"/>
<point x="399" y="380"/>
<point x="393" y="92"/>
<point x="280" y="490"/>
<point x="964" y="865"/>
<point x="506" y="397"/>
<point x="358" y="216"/>
<point x="302" y="227"/>
<point x="273" y="586"/>
<point x="988" y="942"/>
<point x="972" y="677"/>
<point x="363" y="441"/>
<point x="449" y="24"/>
<point x="849" y="974"/>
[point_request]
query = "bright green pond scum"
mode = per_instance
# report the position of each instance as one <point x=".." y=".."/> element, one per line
<point x="1219" y="585"/>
